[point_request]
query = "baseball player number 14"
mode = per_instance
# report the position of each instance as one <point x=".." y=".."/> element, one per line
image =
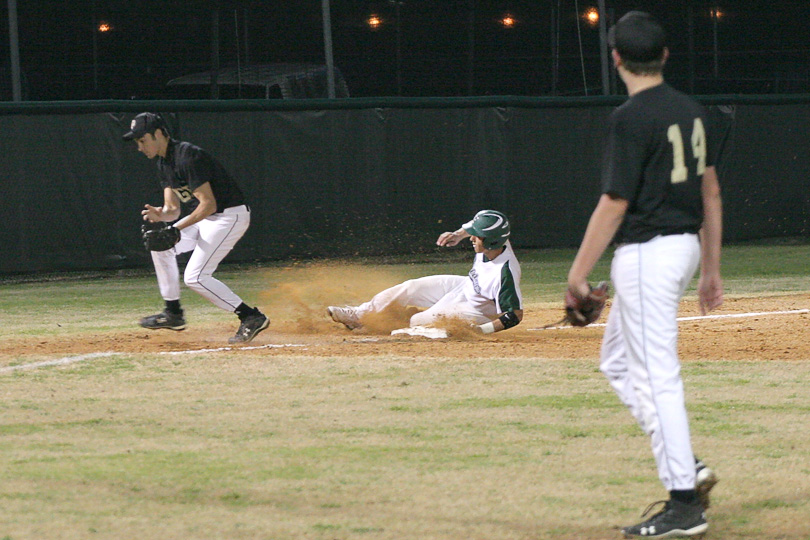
<point x="679" y="170"/>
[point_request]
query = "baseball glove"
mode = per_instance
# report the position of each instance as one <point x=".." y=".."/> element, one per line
<point x="582" y="311"/>
<point x="159" y="236"/>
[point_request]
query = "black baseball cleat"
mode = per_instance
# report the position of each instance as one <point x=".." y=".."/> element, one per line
<point x="705" y="479"/>
<point x="250" y="327"/>
<point x="675" y="520"/>
<point x="164" y="319"/>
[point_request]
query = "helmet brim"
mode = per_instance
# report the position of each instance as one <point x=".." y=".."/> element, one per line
<point x="470" y="228"/>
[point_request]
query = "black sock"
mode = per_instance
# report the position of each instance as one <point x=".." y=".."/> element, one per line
<point x="173" y="306"/>
<point x="243" y="311"/>
<point x="686" y="496"/>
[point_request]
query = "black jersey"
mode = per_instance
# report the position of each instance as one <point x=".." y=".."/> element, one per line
<point x="655" y="157"/>
<point x="186" y="167"/>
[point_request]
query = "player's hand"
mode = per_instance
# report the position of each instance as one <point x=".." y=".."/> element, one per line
<point x="449" y="239"/>
<point x="582" y="310"/>
<point x="710" y="293"/>
<point x="151" y="213"/>
<point x="580" y="286"/>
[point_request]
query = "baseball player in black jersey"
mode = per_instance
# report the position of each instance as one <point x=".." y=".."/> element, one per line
<point x="218" y="217"/>
<point x="661" y="203"/>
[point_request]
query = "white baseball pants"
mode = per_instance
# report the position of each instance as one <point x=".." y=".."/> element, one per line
<point x="439" y="296"/>
<point x="639" y="350"/>
<point x="211" y="240"/>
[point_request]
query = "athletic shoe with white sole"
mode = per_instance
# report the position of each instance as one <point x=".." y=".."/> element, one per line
<point x="164" y="319"/>
<point x="705" y="479"/>
<point x="250" y="327"/>
<point x="676" y="520"/>
<point x="346" y="315"/>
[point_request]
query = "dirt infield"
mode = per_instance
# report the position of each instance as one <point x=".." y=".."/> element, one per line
<point x="753" y="336"/>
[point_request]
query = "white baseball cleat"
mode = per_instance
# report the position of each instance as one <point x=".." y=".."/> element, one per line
<point x="346" y="315"/>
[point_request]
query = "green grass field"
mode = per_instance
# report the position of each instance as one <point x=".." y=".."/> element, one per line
<point x="393" y="445"/>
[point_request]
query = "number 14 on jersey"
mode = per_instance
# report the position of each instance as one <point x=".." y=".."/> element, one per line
<point x="680" y="173"/>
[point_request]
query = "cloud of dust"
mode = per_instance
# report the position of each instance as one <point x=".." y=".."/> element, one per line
<point x="393" y="317"/>
<point x="301" y="293"/>
<point x="459" y="329"/>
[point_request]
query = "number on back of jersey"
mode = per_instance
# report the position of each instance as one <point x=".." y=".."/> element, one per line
<point x="680" y="172"/>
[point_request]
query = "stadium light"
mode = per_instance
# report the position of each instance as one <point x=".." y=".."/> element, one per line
<point x="508" y="21"/>
<point x="374" y="21"/>
<point x="591" y="16"/>
<point x="101" y="27"/>
<point x="716" y="14"/>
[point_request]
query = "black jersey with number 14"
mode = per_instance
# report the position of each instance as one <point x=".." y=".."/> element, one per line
<point x="655" y="156"/>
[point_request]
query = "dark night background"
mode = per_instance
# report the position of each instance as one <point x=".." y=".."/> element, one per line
<point x="762" y="47"/>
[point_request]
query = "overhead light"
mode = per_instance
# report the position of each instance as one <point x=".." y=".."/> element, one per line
<point x="374" y="22"/>
<point x="592" y="16"/>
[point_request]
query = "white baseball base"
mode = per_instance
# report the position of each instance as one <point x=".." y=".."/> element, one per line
<point x="423" y="331"/>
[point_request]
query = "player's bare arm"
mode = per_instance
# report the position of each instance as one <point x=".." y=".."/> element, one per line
<point x="449" y="239"/>
<point x="710" y="284"/>
<point x="206" y="207"/>
<point x="168" y="212"/>
<point x="602" y="227"/>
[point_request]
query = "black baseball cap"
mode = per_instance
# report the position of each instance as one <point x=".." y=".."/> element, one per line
<point x="142" y="124"/>
<point x="638" y="37"/>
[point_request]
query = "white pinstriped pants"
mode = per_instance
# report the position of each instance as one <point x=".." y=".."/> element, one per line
<point x="640" y="347"/>
<point x="211" y="240"/>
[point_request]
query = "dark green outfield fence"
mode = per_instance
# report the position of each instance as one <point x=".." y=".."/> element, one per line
<point x="351" y="176"/>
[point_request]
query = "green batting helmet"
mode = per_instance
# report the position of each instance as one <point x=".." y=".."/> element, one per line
<point x="490" y="225"/>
